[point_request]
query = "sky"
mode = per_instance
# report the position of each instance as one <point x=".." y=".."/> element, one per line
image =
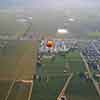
<point x="50" y="3"/>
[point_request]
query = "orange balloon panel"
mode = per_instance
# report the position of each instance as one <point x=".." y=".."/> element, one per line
<point x="50" y="44"/>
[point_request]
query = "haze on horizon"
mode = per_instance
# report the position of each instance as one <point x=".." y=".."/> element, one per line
<point x="57" y="4"/>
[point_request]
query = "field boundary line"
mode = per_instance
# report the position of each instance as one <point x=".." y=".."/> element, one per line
<point x="90" y="75"/>
<point x="65" y="86"/>
<point x="10" y="89"/>
<point x="30" y="92"/>
<point x="35" y="60"/>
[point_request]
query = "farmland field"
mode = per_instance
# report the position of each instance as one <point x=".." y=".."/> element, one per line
<point x="20" y="91"/>
<point x="94" y="34"/>
<point x="79" y="89"/>
<point x="16" y="64"/>
<point x="17" y="58"/>
<point x="52" y="79"/>
<point x="8" y="24"/>
<point x="4" y="87"/>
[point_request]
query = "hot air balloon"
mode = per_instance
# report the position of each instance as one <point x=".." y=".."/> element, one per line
<point x="50" y="44"/>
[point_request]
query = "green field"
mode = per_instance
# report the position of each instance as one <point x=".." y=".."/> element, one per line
<point x="20" y="91"/>
<point x="50" y="88"/>
<point x="54" y="68"/>
<point x="17" y="61"/>
<point x="4" y="86"/>
<point x="43" y="90"/>
<point x="16" y="58"/>
<point x="53" y="79"/>
<point x="75" y="62"/>
<point x="94" y="34"/>
<point x="79" y="89"/>
<point x="16" y="64"/>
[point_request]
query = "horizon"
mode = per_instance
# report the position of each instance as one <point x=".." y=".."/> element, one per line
<point x="49" y="4"/>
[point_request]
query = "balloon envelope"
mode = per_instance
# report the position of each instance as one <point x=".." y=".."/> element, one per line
<point x="50" y="44"/>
